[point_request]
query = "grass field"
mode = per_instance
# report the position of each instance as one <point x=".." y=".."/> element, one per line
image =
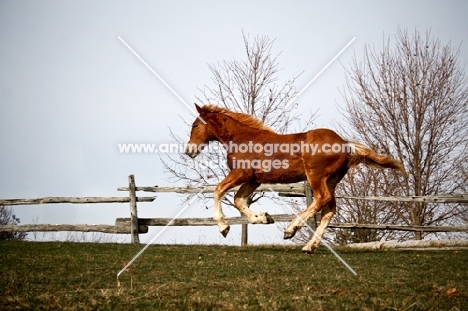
<point x="82" y="276"/>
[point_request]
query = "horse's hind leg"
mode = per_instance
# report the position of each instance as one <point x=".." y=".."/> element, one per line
<point x="301" y="218"/>
<point x="240" y="201"/>
<point x="322" y="197"/>
<point x="327" y="214"/>
<point x="328" y="211"/>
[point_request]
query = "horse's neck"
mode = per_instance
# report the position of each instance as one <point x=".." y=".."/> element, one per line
<point x="235" y="132"/>
<point x="230" y="131"/>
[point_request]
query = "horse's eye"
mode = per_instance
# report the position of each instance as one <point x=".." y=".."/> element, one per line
<point x="195" y="126"/>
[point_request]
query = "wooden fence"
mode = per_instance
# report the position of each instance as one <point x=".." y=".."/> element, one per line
<point x="136" y="226"/>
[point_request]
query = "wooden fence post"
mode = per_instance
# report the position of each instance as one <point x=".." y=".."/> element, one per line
<point x="244" y="235"/>
<point x="245" y="228"/>
<point x="133" y="210"/>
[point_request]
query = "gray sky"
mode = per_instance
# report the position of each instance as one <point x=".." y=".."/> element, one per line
<point x="70" y="91"/>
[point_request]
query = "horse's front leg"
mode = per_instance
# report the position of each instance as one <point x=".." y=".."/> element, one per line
<point x="240" y="201"/>
<point x="218" y="215"/>
<point x="233" y="179"/>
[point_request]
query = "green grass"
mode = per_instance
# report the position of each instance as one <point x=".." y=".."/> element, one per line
<point x="82" y="276"/>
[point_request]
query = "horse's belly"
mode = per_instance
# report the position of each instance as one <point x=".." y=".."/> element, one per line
<point x="283" y="179"/>
<point x="281" y="176"/>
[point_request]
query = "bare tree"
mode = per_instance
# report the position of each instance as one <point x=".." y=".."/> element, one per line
<point x="8" y="218"/>
<point x="249" y="86"/>
<point x="411" y="100"/>
<point x="362" y="181"/>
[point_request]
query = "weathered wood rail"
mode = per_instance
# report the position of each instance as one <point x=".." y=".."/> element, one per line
<point x="123" y="229"/>
<point x="72" y="200"/>
<point x="282" y="218"/>
<point x="455" y="198"/>
<point x="281" y="188"/>
<point x="136" y="226"/>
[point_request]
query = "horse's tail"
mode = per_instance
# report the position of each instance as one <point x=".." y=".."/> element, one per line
<point x="362" y="154"/>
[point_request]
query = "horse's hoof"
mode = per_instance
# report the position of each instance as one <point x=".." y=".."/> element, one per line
<point x="308" y="251"/>
<point x="269" y="219"/>
<point x="289" y="235"/>
<point x="225" y="231"/>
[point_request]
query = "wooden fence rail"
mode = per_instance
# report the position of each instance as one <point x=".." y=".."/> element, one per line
<point x="282" y="218"/>
<point x="136" y="226"/>
<point x="124" y="229"/>
<point x="286" y="188"/>
<point x="73" y="200"/>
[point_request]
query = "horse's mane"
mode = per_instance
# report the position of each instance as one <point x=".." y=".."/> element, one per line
<point x="243" y="118"/>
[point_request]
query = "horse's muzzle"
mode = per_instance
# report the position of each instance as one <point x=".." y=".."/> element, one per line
<point x="191" y="150"/>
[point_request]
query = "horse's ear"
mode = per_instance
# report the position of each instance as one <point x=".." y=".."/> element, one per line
<point x="199" y="109"/>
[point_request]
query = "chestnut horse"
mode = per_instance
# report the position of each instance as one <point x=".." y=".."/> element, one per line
<point x="256" y="155"/>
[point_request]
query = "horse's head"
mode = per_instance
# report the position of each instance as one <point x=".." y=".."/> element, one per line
<point x="202" y="132"/>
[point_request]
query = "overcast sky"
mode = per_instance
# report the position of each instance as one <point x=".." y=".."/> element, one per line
<point x="70" y="91"/>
